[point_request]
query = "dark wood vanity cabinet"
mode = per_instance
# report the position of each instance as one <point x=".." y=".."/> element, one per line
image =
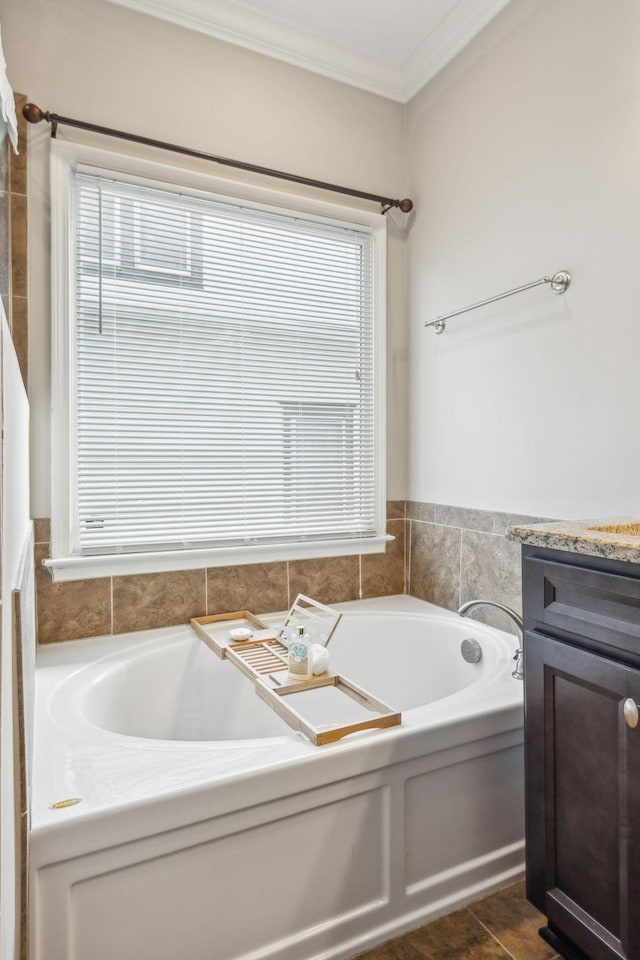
<point x="582" y="691"/>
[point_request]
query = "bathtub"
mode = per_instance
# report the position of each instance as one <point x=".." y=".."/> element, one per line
<point x="208" y="829"/>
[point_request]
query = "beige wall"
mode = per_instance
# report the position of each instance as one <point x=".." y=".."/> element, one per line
<point x="101" y="62"/>
<point x="524" y="158"/>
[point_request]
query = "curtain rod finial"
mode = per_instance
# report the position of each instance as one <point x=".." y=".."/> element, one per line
<point x="33" y="113"/>
<point x="406" y="205"/>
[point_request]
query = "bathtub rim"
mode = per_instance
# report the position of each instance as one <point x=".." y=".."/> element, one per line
<point x="133" y="648"/>
<point x="307" y="767"/>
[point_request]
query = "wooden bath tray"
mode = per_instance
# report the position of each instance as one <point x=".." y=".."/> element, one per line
<point x="318" y="620"/>
<point x="303" y="704"/>
<point x="215" y="630"/>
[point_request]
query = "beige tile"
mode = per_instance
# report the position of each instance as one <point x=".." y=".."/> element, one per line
<point x="490" y="570"/>
<point x="383" y="573"/>
<point x="416" y="510"/>
<point x="42" y="530"/>
<point x="20" y="335"/>
<point x="143" y="601"/>
<point x="328" y="580"/>
<point x="18" y="245"/>
<point x="396" y="509"/>
<point x="503" y="520"/>
<point x="68" y="611"/>
<point x="5" y="182"/>
<point x="465" y="518"/>
<point x="514" y="922"/>
<point x="434" y="564"/>
<point x="458" y="936"/>
<point x="5" y="252"/>
<point x="258" y="587"/>
<point x="18" y="162"/>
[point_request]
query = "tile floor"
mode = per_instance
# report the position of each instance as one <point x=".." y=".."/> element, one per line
<point x="503" y="926"/>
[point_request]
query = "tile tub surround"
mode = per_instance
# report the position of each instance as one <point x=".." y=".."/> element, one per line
<point x="502" y="926"/>
<point x="575" y="536"/>
<point x="89" y="608"/>
<point x="13" y="236"/>
<point x="455" y="554"/>
<point x="441" y="553"/>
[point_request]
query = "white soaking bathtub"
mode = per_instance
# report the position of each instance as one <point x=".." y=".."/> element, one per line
<point x="208" y="829"/>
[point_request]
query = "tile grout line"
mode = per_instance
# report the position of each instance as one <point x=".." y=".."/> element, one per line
<point x="408" y="561"/>
<point x="460" y="572"/>
<point x="455" y="526"/>
<point x="491" y="934"/>
<point x="111" y="602"/>
<point x="405" y="557"/>
<point x="206" y="592"/>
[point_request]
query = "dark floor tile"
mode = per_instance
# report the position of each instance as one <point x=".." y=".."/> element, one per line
<point x="514" y="922"/>
<point x="458" y="936"/>
<point x="399" y="949"/>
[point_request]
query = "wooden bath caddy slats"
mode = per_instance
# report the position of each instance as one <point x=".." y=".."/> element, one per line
<point x="215" y="630"/>
<point x="264" y="660"/>
<point x="258" y="658"/>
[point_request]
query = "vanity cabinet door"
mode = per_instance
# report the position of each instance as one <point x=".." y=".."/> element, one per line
<point x="583" y="797"/>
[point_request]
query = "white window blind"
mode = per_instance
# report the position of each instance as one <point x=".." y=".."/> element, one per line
<point x="223" y="373"/>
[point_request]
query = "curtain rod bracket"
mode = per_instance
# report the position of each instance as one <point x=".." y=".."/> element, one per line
<point x="34" y="114"/>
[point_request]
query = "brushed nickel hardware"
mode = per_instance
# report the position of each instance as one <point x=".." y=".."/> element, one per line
<point x="471" y="650"/>
<point x="34" y="114"/>
<point x="516" y="620"/>
<point x="630" y="711"/>
<point x="558" y="282"/>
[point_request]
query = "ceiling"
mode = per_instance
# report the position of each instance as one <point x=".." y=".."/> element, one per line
<point x="390" y="47"/>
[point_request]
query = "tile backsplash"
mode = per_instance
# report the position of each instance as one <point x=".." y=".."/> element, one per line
<point x="455" y="554"/>
<point x="86" y="608"/>
<point x="13" y="236"/>
<point x="441" y="553"/>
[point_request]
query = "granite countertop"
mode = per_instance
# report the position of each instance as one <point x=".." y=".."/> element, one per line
<point x="616" y="539"/>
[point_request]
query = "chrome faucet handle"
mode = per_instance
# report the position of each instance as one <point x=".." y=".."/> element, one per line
<point x="515" y="619"/>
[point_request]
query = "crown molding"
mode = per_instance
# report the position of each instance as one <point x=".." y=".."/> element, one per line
<point x="465" y="19"/>
<point x="272" y="37"/>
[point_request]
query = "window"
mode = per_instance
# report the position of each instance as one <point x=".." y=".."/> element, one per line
<point x="150" y="242"/>
<point x="222" y="391"/>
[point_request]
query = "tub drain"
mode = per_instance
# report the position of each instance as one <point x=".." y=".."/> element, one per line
<point x="471" y="650"/>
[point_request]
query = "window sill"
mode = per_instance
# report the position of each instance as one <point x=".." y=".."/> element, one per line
<point x="125" y="564"/>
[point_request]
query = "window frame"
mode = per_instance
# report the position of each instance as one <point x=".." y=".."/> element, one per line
<point x="64" y="564"/>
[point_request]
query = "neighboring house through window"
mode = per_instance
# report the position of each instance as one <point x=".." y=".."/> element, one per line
<point x="222" y="392"/>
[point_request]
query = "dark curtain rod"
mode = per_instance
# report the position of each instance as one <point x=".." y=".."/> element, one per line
<point x="34" y="114"/>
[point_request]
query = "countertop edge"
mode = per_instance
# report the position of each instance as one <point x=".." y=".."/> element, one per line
<point x="575" y="537"/>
